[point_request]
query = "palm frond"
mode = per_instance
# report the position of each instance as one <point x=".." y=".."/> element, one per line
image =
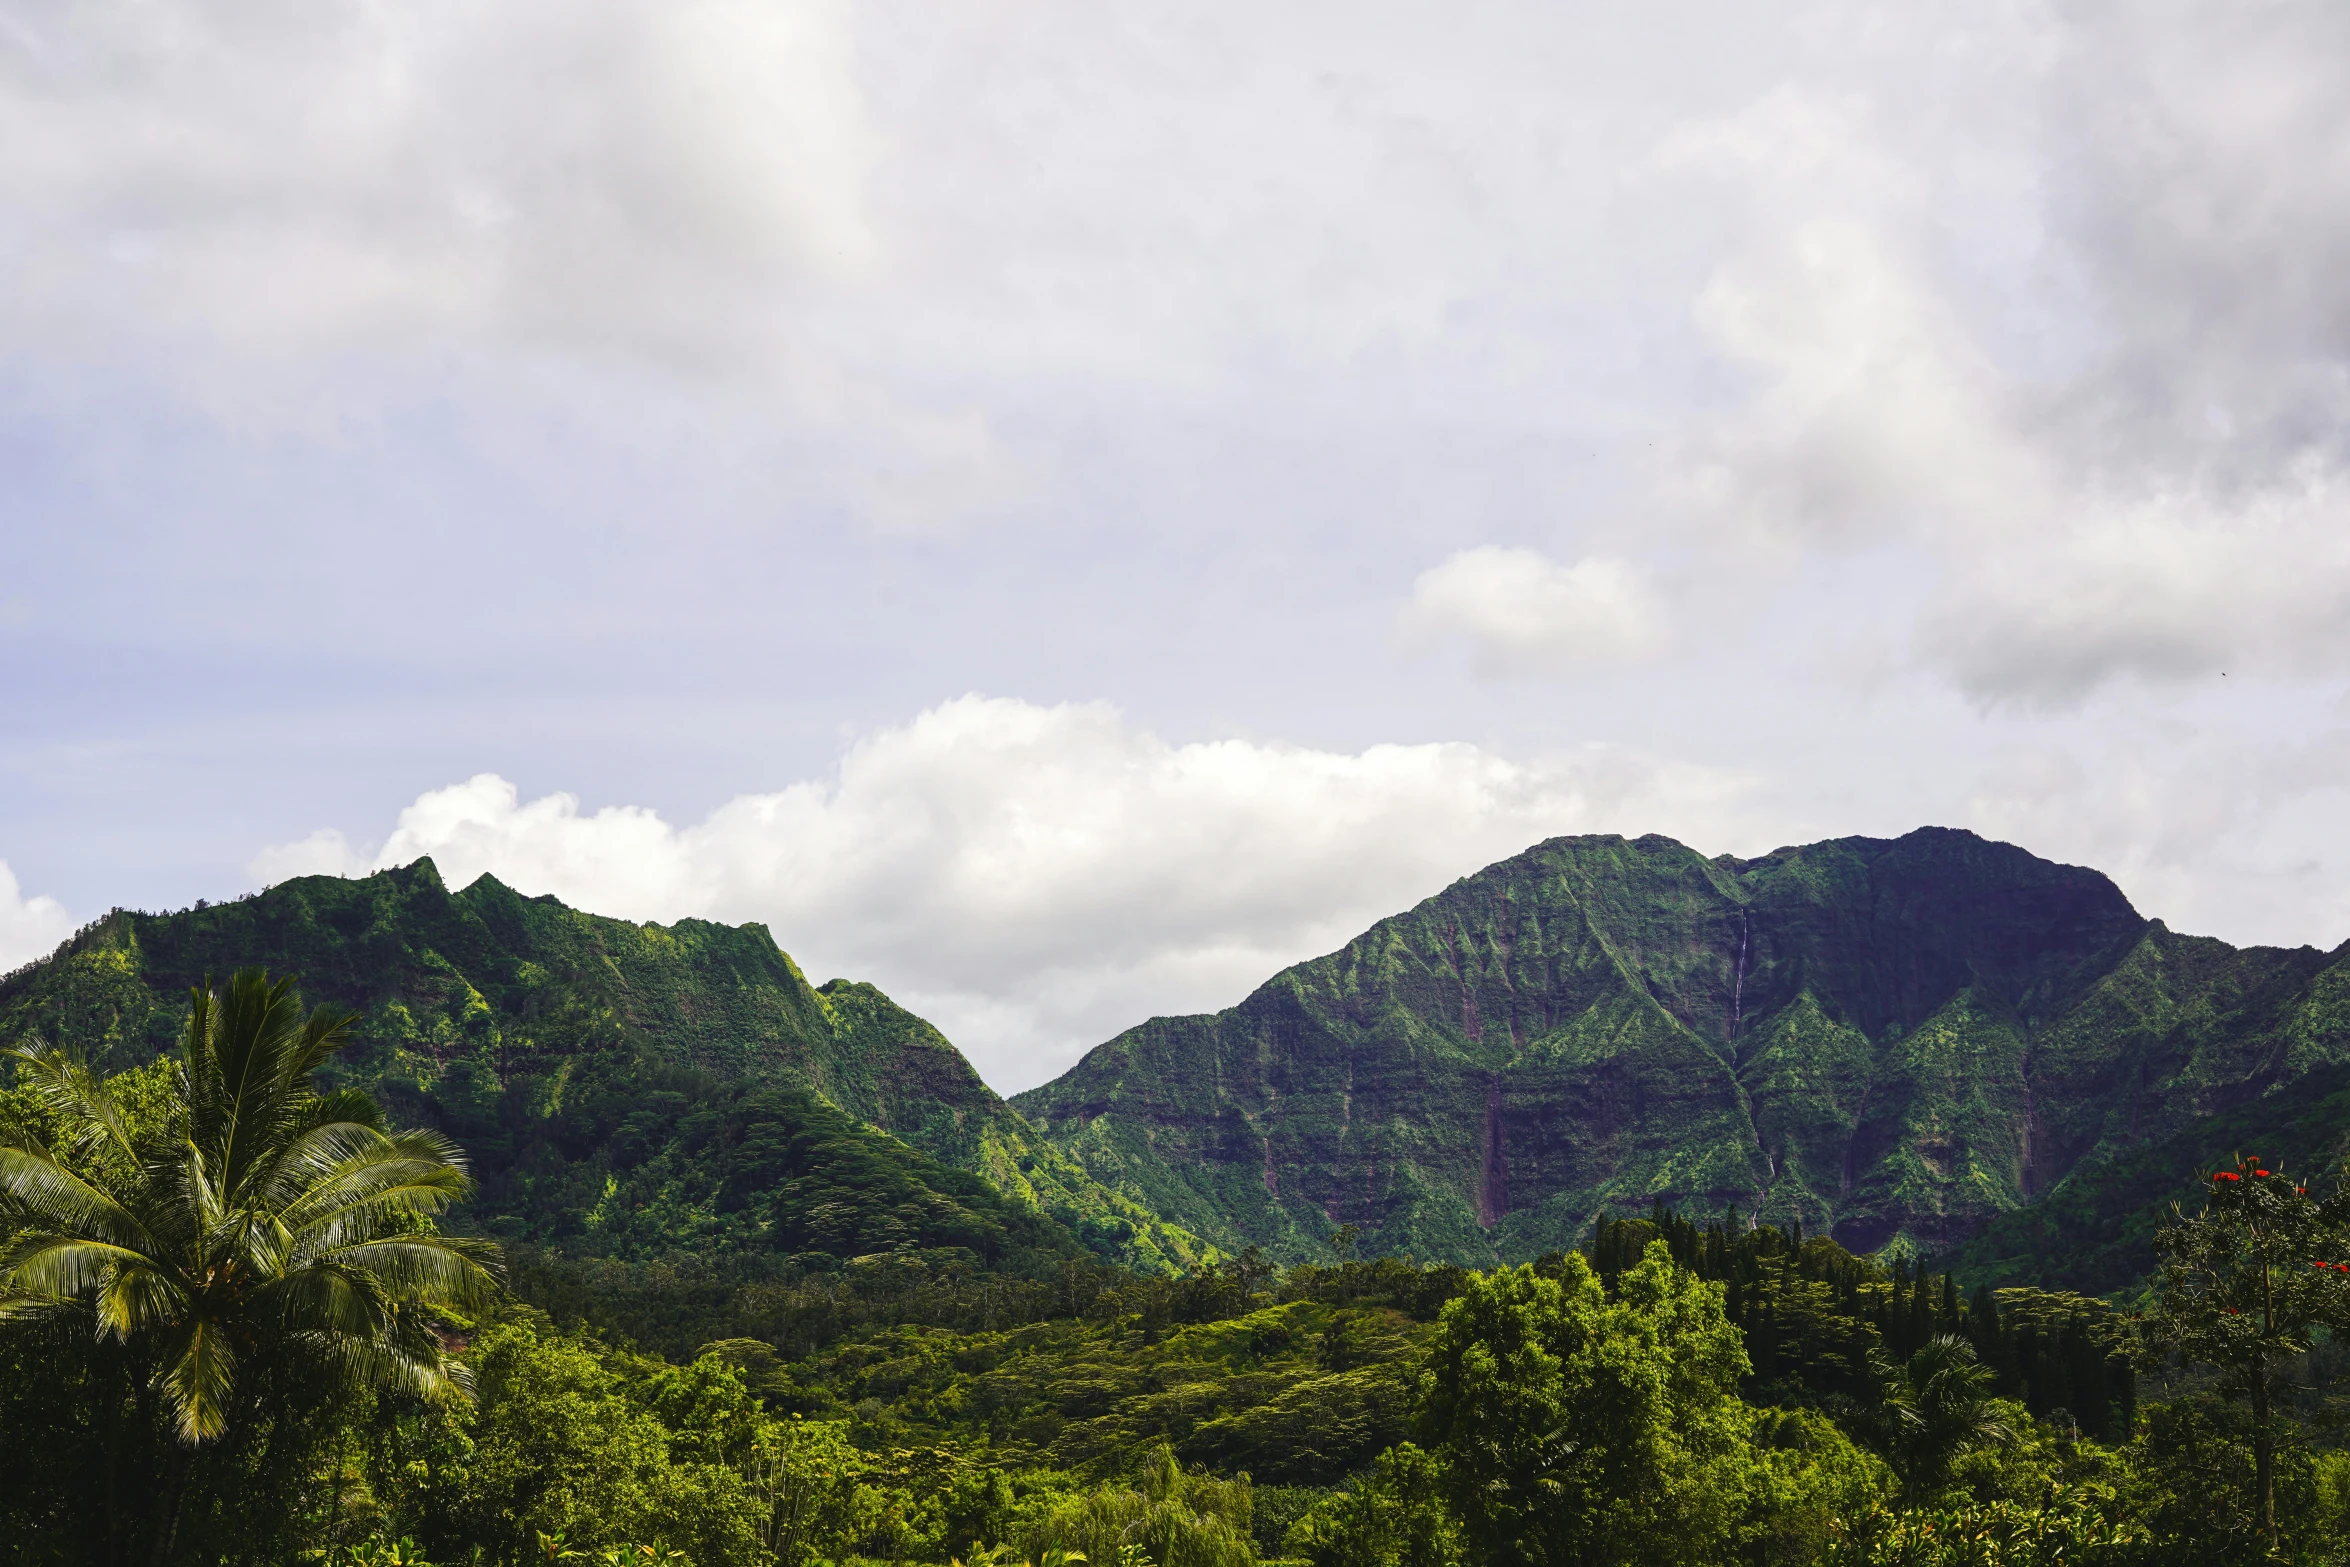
<point x="347" y="1105"/>
<point x="19" y="1311"/>
<point x="60" y="1266"/>
<point x="199" y="1376"/>
<point x="135" y="1298"/>
<point x="327" y="1299"/>
<point x="387" y="1181"/>
<point x="77" y="1096"/>
<point x="439" y="1269"/>
<point x="195" y="1184"/>
<point x="305" y="1049"/>
<point x="317" y="1156"/>
<point x="41" y="1192"/>
<point x="406" y="1356"/>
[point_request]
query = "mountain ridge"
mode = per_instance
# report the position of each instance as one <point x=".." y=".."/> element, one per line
<point x="1934" y="1041"/>
<point x="1894" y="1039"/>
<point x="497" y="1016"/>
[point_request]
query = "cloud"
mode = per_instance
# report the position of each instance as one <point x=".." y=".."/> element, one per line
<point x="346" y="174"/>
<point x="1879" y="420"/>
<point x="324" y="853"/>
<point x="2085" y="373"/>
<point x="1036" y="878"/>
<point x="29" y="927"/>
<point x="1523" y="612"/>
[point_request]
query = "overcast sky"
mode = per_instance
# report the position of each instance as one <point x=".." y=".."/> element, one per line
<point x="1063" y="508"/>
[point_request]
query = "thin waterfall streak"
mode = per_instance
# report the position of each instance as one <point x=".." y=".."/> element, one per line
<point x="1738" y="981"/>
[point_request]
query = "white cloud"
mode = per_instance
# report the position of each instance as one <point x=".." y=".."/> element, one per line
<point x="1523" y="612"/>
<point x="1036" y="878"/>
<point x="29" y="927"/>
<point x="324" y="853"/>
<point x="2087" y="372"/>
<point x="1877" y="420"/>
<point x="324" y="176"/>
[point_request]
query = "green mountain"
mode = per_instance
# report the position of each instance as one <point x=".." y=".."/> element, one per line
<point x="1893" y="1040"/>
<point x="622" y="1088"/>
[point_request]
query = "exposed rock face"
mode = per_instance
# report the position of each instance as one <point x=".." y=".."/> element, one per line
<point x="1887" y="1038"/>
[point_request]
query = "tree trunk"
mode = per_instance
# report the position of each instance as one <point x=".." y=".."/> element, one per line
<point x="2263" y="1452"/>
<point x="117" y="1393"/>
<point x="167" y="1515"/>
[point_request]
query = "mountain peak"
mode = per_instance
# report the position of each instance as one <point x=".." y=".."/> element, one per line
<point x="1875" y="1035"/>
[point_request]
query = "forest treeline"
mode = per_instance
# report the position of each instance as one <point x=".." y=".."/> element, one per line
<point x="236" y="1326"/>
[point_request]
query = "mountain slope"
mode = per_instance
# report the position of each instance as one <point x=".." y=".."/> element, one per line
<point x="1889" y="1038"/>
<point x="530" y="1030"/>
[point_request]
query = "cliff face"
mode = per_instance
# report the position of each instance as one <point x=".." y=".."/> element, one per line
<point x="1886" y="1038"/>
<point x="532" y="1031"/>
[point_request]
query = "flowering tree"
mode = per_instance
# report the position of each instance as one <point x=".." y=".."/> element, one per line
<point x="2242" y="1283"/>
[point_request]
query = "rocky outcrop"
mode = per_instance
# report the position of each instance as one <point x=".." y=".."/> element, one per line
<point x="1889" y="1039"/>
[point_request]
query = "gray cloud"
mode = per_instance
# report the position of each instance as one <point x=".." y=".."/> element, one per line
<point x="1902" y="415"/>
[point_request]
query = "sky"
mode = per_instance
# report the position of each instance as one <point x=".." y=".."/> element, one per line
<point x="1061" y="509"/>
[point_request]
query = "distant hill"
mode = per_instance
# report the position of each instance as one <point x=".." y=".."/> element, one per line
<point x="600" y="1071"/>
<point x="1893" y="1040"/>
<point x="1935" y="1041"/>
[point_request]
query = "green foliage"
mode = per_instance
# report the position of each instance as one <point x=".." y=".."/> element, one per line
<point x="561" y="1446"/>
<point x="1174" y="1517"/>
<point x="804" y="1477"/>
<point x="567" y="1051"/>
<point x="1394" y="1515"/>
<point x="2067" y="1529"/>
<point x="236" y="1245"/>
<point x="1685" y="1393"/>
<point x="1574" y="1427"/>
<point x="1933" y="1409"/>
<point x="1894" y="1042"/>
<point x="2242" y="1284"/>
<point x="1816" y="1318"/>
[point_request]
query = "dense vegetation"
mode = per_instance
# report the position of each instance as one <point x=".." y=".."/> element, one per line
<point x="230" y="1331"/>
<point x="1934" y="1042"/>
<point x="554" y="1237"/>
<point x="567" y="1051"/>
<point x="1888" y="1041"/>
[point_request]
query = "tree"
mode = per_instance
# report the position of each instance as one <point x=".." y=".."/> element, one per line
<point x="2240" y="1285"/>
<point x="258" y="1230"/>
<point x="803" y="1476"/>
<point x="1934" y="1407"/>
<point x="1393" y="1516"/>
<point x="1174" y="1517"/>
<point x="1575" y="1429"/>
<point x="556" y="1446"/>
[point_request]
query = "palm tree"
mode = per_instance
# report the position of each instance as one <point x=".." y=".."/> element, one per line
<point x="1935" y="1408"/>
<point x="259" y="1229"/>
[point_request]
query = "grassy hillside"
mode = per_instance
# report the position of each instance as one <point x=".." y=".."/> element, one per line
<point x="571" y="1053"/>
